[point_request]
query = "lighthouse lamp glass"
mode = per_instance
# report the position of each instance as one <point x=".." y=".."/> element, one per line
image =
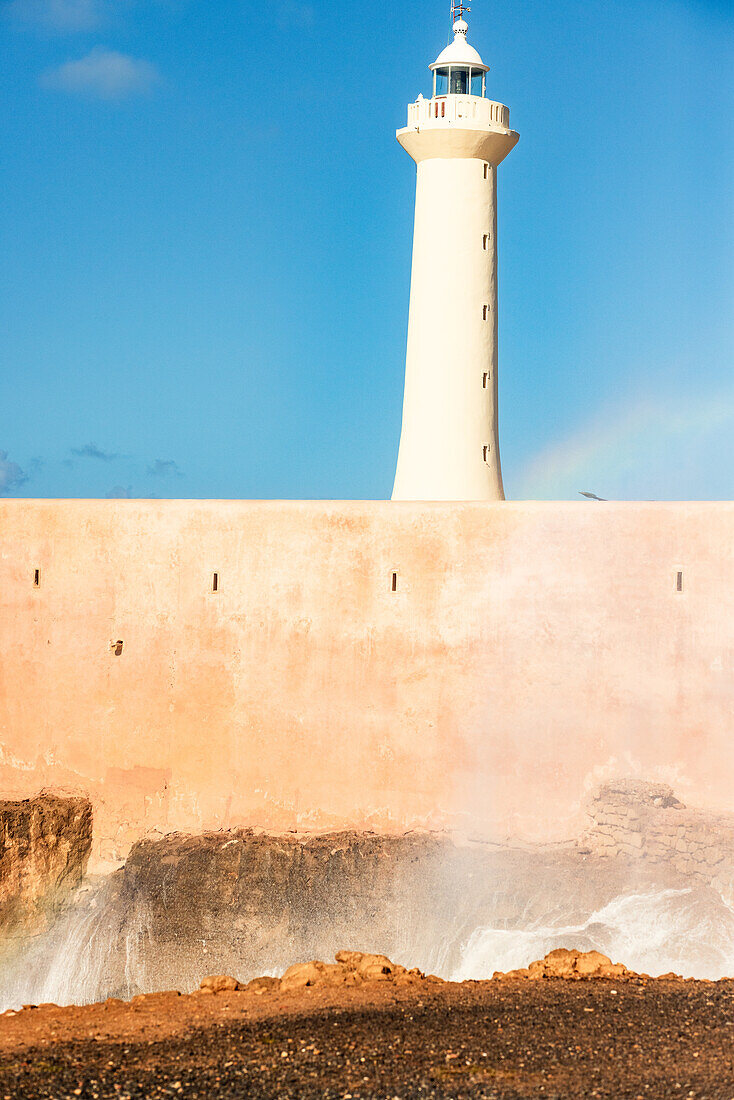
<point x="440" y="82"/>
<point x="458" y="80"/>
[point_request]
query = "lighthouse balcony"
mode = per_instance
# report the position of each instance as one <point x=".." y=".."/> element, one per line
<point x="461" y="110"/>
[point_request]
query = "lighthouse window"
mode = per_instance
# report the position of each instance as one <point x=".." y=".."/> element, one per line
<point x="485" y="312"/>
<point x="485" y="452"/>
<point x="458" y="80"/>
<point x="485" y="380"/>
<point x="477" y="83"/>
<point x="485" y="241"/>
<point x="486" y="171"/>
<point x="441" y="82"/>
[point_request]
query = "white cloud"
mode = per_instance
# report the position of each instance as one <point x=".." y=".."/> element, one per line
<point x="11" y="474"/>
<point x="164" y="467"/>
<point x="104" y="74"/>
<point x="649" y="449"/>
<point x="60" y="15"/>
<point x="91" y="450"/>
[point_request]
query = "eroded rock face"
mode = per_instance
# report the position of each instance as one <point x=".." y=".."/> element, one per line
<point x="44" y="848"/>
<point x="248" y="903"/>
<point x="251" y="902"/>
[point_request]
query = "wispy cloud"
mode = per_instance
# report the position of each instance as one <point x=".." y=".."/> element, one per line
<point x="103" y="74"/>
<point x="164" y="467"/>
<point x="91" y="450"/>
<point x="12" y="476"/>
<point x="119" y="492"/>
<point x="59" y="15"/>
<point x="650" y="448"/>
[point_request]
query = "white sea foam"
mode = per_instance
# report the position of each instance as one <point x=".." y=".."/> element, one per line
<point x="687" y="931"/>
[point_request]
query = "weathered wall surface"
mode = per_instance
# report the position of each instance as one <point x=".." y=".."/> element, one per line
<point x="531" y="650"/>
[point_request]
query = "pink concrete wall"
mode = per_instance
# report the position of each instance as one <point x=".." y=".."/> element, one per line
<point x="530" y="649"/>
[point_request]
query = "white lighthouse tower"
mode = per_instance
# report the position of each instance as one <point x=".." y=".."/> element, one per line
<point x="449" y="447"/>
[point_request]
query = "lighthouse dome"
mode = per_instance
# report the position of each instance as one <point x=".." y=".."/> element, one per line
<point x="459" y="52"/>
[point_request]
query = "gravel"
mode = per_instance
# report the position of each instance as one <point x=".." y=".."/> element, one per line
<point x="503" y="1039"/>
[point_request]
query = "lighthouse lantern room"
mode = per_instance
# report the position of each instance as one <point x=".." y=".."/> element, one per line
<point x="459" y="69"/>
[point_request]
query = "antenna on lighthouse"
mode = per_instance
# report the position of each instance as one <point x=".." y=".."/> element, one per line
<point x="457" y="10"/>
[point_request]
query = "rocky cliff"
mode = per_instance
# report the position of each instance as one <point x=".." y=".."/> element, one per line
<point x="44" y="848"/>
<point x="249" y="903"/>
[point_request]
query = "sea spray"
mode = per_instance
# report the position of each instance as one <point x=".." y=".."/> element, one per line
<point x="248" y="904"/>
<point x="90" y="952"/>
<point x="689" y="931"/>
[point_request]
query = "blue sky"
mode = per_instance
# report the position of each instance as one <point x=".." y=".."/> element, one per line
<point x="206" y="229"/>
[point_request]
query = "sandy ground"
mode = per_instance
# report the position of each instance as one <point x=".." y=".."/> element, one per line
<point x="509" y="1039"/>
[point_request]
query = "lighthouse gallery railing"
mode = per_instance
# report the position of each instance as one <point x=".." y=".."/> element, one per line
<point x="458" y="108"/>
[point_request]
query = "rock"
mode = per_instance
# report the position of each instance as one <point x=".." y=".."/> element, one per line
<point x="350" y="968"/>
<point x="44" y="849"/>
<point x="263" y="985"/>
<point x="349" y="958"/>
<point x="409" y="977"/>
<point x="301" y="975"/>
<point x="591" y="964"/>
<point x="571" y="965"/>
<point x="220" y="983"/>
<point x="377" y="968"/>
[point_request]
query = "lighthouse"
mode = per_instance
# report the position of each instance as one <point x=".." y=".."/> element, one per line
<point x="449" y="445"/>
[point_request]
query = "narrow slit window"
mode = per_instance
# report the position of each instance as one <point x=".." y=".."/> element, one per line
<point x="485" y="380"/>
<point x="486" y="171"/>
<point x="485" y="241"/>
<point x="485" y="452"/>
<point x="485" y="312"/>
<point x="679" y="581"/>
<point x="394" y="582"/>
<point x="215" y="582"/>
<point x="36" y="578"/>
